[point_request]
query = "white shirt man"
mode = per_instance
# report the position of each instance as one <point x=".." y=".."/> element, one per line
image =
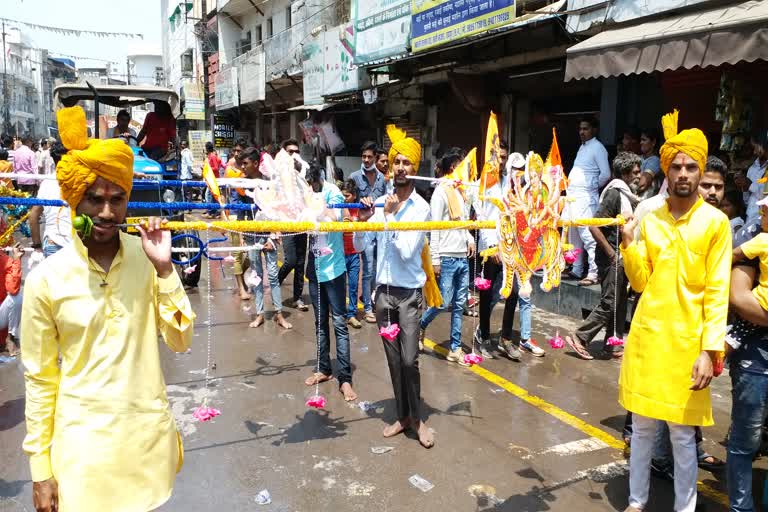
<point x="590" y="172"/>
<point x="57" y="219"/>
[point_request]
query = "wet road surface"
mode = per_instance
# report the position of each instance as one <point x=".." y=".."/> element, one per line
<point x="539" y="435"/>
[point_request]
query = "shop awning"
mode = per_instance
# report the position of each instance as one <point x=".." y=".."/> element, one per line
<point x="725" y="35"/>
<point x="316" y="108"/>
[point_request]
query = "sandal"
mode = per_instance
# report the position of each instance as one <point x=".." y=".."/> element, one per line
<point x="580" y="349"/>
<point x="588" y="281"/>
<point x="711" y="463"/>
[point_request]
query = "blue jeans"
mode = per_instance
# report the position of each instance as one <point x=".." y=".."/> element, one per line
<point x="50" y="248"/>
<point x="526" y="312"/>
<point x="748" y="412"/>
<point x="274" y="284"/>
<point x="331" y="293"/>
<point x="454" y="285"/>
<point x="369" y="262"/>
<point x="353" y="275"/>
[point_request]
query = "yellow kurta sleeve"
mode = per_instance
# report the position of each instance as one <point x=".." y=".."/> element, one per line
<point x="756" y="246"/>
<point x="174" y="313"/>
<point x="718" y="274"/>
<point x="40" y="352"/>
<point x="637" y="266"/>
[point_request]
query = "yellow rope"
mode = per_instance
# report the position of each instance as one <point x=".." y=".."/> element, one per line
<point x="266" y="226"/>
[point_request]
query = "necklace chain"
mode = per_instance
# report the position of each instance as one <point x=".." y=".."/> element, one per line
<point x="102" y="275"/>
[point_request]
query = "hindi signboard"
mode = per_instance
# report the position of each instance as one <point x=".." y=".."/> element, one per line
<point x="438" y="22"/>
<point x="226" y="89"/>
<point x="313" y="61"/>
<point x="341" y="74"/>
<point x="382" y="28"/>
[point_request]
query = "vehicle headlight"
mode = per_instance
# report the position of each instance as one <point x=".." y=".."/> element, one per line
<point x="169" y="196"/>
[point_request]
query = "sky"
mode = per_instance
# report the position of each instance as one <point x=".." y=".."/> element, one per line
<point x="135" y="16"/>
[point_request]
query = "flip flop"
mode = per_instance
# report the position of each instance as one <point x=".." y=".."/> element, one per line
<point x="715" y="465"/>
<point x="580" y="350"/>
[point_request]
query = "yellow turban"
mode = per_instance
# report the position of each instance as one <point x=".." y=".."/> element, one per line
<point x="692" y="142"/>
<point x="86" y="160"/>
<point x="403" y="145"/>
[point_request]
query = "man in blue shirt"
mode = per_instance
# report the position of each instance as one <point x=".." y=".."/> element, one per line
<point x="400" y="279"/>
<point x="749" y="377"/>
<point x="326" y="268"/>
<point x="372" y="184"/>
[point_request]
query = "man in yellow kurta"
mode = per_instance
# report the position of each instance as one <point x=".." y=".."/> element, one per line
<point x="681" y="263"/>
<point x="100" y="435"/>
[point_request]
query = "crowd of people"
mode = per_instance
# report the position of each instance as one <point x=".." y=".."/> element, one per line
<point x="689" y="217"/>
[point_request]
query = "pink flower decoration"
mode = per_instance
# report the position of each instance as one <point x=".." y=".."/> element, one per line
<point x="390" y="332"/>
<point x="191" y="269"/>
<point x="317" y="401"/>
<point x="325" y="251"/>
<point x="557" y="342"/>
<point x="482" y="283"/>
<point x="204" y="413"/>
<point x="615" y="341"/>
<point x="473" y="358"/>
<point x="571" y="256"/>
<point x="229" y="259"/>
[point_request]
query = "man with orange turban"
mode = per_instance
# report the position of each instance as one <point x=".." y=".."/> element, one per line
<point x="400" y="278"/>
<point x="100" y="435"/>
<point x="676" y="333"/>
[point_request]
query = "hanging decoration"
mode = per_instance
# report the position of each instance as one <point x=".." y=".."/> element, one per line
<point x="71" y="31"/>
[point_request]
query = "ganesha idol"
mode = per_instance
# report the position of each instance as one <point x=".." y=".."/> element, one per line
<point x="529" y="240"/>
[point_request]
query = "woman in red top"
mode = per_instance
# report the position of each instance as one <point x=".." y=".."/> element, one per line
<point x="159" y="128"/>
<point x="10" y="298"/>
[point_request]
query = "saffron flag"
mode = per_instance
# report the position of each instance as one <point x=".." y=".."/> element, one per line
<point x="210" y="179"/>
<point x="466" y="170"/>
<point x="492" y="163"/>
<point x="554" y="160"/>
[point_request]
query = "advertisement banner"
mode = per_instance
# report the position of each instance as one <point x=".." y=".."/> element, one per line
<point x="341" y="74"/>
<point x="197" y="140"/>
<point x="382" y="28"/>
<point x="223" y="132"/>
<point x="252" y="76"/>
<point x="194" y="103"/>
<point x="226" y="89"/>
<point x="437" y="22"/>
<point x="313" y="61"/>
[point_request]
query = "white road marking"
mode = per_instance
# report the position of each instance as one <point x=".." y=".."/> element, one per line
<point x="573" y="448"/>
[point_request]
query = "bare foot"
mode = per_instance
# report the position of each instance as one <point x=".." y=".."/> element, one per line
<point x="348" y="392"/>
<point x="317" y="378"/>
<point x="258" y="322"/>
<point x="397" y="427"/>
<point x="282" y="322"/>
<point x="426" y="438"/>
<point x="244" y="295"/>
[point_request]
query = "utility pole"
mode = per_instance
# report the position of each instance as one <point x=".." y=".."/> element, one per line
<point x="128" y="69"/>
<point x="6" y="97"/>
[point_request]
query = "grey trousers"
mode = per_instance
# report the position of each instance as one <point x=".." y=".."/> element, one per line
<point x="403" y="307"/>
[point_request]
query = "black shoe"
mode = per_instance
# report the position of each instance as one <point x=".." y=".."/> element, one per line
<point x="663" y="470"/>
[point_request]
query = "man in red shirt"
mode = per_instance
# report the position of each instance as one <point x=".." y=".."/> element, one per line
<point x="351" y="254"/>
<point x="159" y="128"/>
<point x="10" y="298"/>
